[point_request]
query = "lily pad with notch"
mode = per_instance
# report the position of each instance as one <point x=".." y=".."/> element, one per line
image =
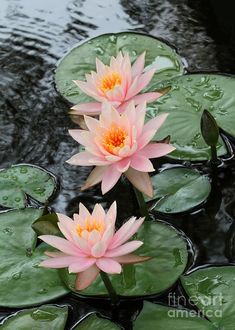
<point x="168" y="250"/>
<point x="80" y="60"/>
<point x="20" y="181"/>
<point x="189" y="96"/>
<point x="22" y="282"/>
<point x="179" y="189"/>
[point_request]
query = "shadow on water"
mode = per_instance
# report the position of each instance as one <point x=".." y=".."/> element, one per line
<point x="34" y="123"/>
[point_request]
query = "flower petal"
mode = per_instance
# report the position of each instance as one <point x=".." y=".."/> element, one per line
<point x="59" y="262"/>
<point x="155" y="150"/>
<point x="125" y="232"/>
<point x="91" y="108"/>
<point x="140" y="180"/>
<point x="131" y="259"/>
<point x="62" y="245"/>
<point x="109" y="265"/>
<point x="81" y="264"/>
<point x="110" y="178"/>
<point x="85" y="278"/>
<point x="124" y="249"/>
<point x="138" y="66"/>
<point x="141" y="163"/>
<point x="82" y="158"/>
<point x="98" y="249"/>
<point x="95" y="177"/>
<point x="123" y="165"/>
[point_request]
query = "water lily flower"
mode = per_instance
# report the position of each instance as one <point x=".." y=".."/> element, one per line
<point x="118" y="84"/>
<point x="120" y="143"/>
<point x="91" y="244"/>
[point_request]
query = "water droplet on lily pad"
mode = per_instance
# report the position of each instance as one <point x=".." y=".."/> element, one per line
<point x="8" y="231"/>
<point x="214" y="94"/>
<point x="23" y="170"/>
<point x="16" y="276"/>
<point x="43" y="316"/>
<point x="5" y="198"/>
<point x="42" y="291"/>
<point x="39" y="190"/>
<point x="17" y="199"/>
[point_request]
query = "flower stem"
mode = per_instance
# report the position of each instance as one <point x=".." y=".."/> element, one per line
<point x="141" y="202"/>
<point x="112" y="293"/>
<point x="214" y="158"/>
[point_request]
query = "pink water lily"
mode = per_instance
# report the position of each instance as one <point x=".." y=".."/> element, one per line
<point x="91" y="244"/>
<point x="118" y="84"/>
<point x="120" y="143"/>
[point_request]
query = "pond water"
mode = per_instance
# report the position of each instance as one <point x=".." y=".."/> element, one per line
<point x="34" y="123"/>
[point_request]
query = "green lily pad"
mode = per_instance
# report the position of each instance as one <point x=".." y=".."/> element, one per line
<point x="179" y="189"/>
<point x="19" y="181"/>
<point x="169" y="258"/>
<point x="212" y="290"/>
<point x="97" y="323"/>
<point x="185" y="102"/>
<point x="160" y="317"/>
<point x="22" y="282"/>
<point x="44" y="317"/>
<point x="81" y="60"/>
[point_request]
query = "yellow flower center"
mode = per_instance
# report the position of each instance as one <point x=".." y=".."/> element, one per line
<point x="90" y="225"/>
<point x="114" y="138"/>
<point x="110" y="81"/>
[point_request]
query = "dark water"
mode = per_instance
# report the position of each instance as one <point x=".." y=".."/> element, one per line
<point x="34" y="123"/>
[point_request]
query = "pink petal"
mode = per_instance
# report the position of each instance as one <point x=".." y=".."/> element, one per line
<point x="100" y="67"/>
<point x="111" y="214"/>
<point x="66" y="225"/>
<point x="92" y="123"/>
<point x="125" y="232"/>
<point x="144" y="79"/>
<point x="77" y="135"/>
<point x="89" y="90"/>
<point x="82" y="159"/>
<point x="124" y="249"/>
<point x="95" y="177"/>
<point x="62" y="245"/>
<point x="58" y="262"/>
<point x="141" y="163"/>
<point x="140" y="180"/>
<point x="98" y="212"/>
<point x="83" y="211"/>
<point x="139" y="83"/>
<point x="155" y="123"/>
<point x="131" y="259"/>
<point x="109" y="266"/>
<point x="98" y="249"/>
<point x="110" y="178"/>
<point x="81" y="264"/>
<point x="155" y="150"/>
<point x="138" y="66"/>
<point x="123" y="165"/>
<point x="145" y="138"/>
<point x="91" y="108"/>
<point x="146" y="97"/>
<point x="55" y="254"/>
<point x="85" y="278"/>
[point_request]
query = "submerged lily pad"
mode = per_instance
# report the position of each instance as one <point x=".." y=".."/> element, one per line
<point x="212" y="290"/>
<point x="19" y="181"/>
<point x="81" y="60"/>
<point x="96" y="323"/>
<point x="169" y="258"/>
<point x="22" y="282"/>
<point x="179" y="189"/>
<point x="44" y="317"/>
<point x="160" y="317"/>
<point x="185" y="102"/>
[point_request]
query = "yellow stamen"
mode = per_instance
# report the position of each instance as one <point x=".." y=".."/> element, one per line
<point x="114" y="138"/>
<point x="110" y="81"/>
<point x="90" y="225"/>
